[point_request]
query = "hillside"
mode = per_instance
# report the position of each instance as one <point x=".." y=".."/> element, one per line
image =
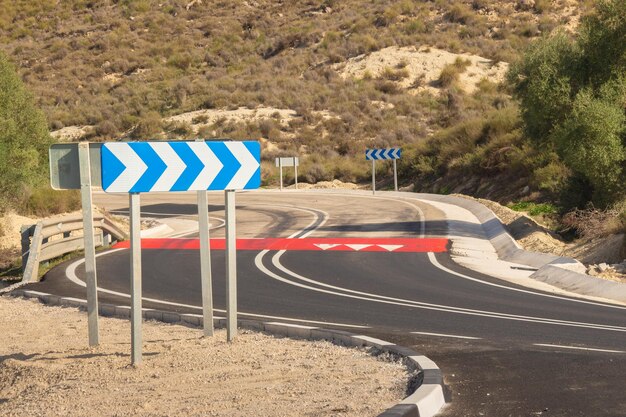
<point x="111" y="69"/>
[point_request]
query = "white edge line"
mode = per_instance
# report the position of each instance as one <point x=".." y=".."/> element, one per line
<point x="448" y="335"/>
<point x="578" y="348"/>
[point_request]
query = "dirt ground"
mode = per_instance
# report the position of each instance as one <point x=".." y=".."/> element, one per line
<point x="533" y="236"/>
<point x="47" y="369"/>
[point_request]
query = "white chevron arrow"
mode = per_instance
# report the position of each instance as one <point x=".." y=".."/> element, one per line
<point x="135" y="167"/>
<point x="175" y="166"/>
<point x="358" y="247"/>
<point x="391" y="248"/>
<point x="212" y="165"/>
<point x="325" y="246"/>
<point x="248" y="162"/>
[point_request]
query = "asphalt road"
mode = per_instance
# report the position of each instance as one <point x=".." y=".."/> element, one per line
<point x="504" y="350"/>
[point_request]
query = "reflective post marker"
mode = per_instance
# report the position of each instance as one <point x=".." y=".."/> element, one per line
<point x="373" y="176"/>
<point x="90" y="250"/>
<point x="395" y="176"/>
<point x="231" y="266"/>
<point x="135" y="278"/>
<point x="295" y="167"/>
<point x="205" y="263"/>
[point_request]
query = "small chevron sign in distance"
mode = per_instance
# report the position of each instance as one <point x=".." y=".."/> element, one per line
<point x="140" y="167"/>
<point x="382" y="154"/>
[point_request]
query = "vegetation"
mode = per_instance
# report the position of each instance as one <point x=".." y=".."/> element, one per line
<point x="573" y="102"/>
<point x="24" y="140"/>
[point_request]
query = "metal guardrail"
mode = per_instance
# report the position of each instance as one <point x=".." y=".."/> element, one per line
<point x="40" y="242"/>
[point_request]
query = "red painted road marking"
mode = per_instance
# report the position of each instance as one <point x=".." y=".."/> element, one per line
<point x="318" y="244"/>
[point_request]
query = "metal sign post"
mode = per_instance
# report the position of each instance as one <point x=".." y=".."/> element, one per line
<point x="280" y="165"/>
<point x="373" y="176"/>
<point x="205" y="263"/>
<point x="135" y="278"/>
<point x="295" y="167"/>
<point x="90" y="250"/>
<point x="395" y="176"/>
<point x="231" y="266"/>
<point x="383" y="154"/>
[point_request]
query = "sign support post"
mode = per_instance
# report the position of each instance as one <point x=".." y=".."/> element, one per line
<point x="205" y="263"/>
<point x="373" y="176"/>
<point x="90" y="250"/>
<point x="231" y="266"/>
<point x="135" y="278"/>
<point x="295" y="167"/>
<point x="280" y="167"/>
<point x="395" y="176"/>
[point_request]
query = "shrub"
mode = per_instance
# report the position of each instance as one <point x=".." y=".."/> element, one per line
<point x="24" y="139"/>
<point x="534" y="209"/>
<point x="44" y="201"/>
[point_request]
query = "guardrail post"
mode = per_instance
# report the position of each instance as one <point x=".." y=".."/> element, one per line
<point x="31" y="271"/>
<point x="26" y="232"/>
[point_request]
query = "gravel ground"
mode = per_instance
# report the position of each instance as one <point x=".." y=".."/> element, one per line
<point x="47" y="369"/>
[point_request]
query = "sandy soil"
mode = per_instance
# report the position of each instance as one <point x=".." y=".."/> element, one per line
<point x="326" y="185"/>
<point x="210" y="116"/>
<point x="71" y="133"/>
<point x="533" y="236"/>
<point x="10" y="230"/>
<point x="47" y="370"/>
<point x="425" y="63"/>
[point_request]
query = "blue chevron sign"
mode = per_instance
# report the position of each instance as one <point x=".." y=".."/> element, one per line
<point x="139" y="167"/>
<point x="377" y="154"/>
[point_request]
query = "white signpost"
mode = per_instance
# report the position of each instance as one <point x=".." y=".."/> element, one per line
<point x="383" y="154"/>
<point x="138" y="167"/>
<point x="291" y="161"/>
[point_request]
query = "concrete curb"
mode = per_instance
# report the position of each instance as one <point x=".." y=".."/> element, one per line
<point x="426" y="401"/>
<point x="551" y="269"/>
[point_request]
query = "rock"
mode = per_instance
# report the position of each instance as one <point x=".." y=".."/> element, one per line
<point x="525" y="190"/>
<point x="603" y="267"/>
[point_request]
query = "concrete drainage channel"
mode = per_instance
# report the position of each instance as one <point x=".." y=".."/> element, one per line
<point x="426" y="401"/>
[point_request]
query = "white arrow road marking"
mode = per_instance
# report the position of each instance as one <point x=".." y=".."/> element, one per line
<point x="391" y="248"/>
<point x="325" y="246"/>
<point x="175" y="166"/>
<point x="212" y="165"/>
<point x="358" y="247"/>
<point x="135" y="167"/>
<point x="248" y="162"/>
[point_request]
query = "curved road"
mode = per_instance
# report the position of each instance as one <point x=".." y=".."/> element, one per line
<point x="504" y="350"/>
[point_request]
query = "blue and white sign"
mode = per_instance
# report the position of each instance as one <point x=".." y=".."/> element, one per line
<point x="139" y="167"/>
<point x="378" y="154"/>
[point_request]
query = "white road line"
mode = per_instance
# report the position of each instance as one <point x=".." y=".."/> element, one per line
<point x="578" y="348"/>
<point x="434" y="261"/>
<point x="70" y="273"/>
<point x="447" y="335"/>
<point x="414" y="304"/>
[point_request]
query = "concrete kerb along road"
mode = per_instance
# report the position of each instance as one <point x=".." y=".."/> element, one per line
<point x="426" y="383"/>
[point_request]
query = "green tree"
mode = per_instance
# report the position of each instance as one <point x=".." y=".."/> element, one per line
<point x="24" y="139"/>
<point x="573" y="99"/>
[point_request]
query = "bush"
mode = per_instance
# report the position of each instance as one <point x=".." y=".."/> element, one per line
<point x="45" y="201"/>
<point x="24" y="139"/>
<point x="534" y="209"/>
